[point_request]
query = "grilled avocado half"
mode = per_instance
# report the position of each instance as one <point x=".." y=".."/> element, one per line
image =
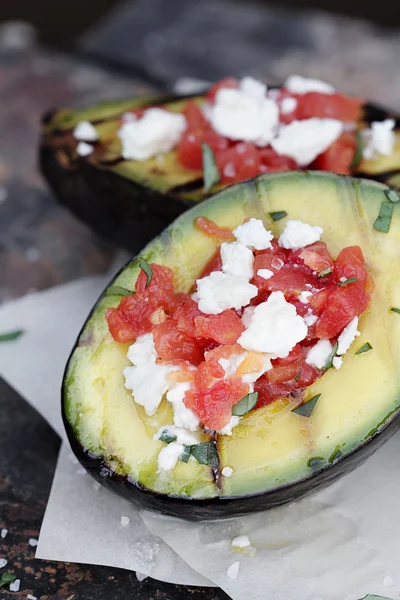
<point x="276" y="455"/>
<point x="131" y="201"/>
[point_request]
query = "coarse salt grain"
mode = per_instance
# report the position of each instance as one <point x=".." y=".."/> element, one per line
<point x="33" y="542"/>
<point x="227" y="471"/>
<point x="3" y="533"/>
<point x="124" y="521"/>
<point x="3" y="563"/>
<point x="30" y="597"/>
<point x="233" y="570"/>
<point x="14" y="587"/>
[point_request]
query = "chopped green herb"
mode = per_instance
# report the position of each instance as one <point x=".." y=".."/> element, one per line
<point x="305" y="410"/>
<point x="395" y="310"/>
<point x="329" y="361"/>
<point x="278" y="215"/>
<point x="347" y="281"/>
<point x="117" y="290"/>
<point x="211" y="174"/>
<point x="336" y="454"/>
<point x="315" y="461"/>
<point x="11" y="335"/>
<point x="393" y="196"/>
<point x="383" y="220"/>
<point x="167" y="437"/>
<point x="298" y="376"/>
<point x="245" y="405"/>
<point x="366" y="348"/>
<point x="205" y="453"/>
<point x="184" y="457"/>
<point x="146" y="268"/>
<point x="325" y="272"/>
<point x="359" y="150"/>
<point x="7" y="578"/>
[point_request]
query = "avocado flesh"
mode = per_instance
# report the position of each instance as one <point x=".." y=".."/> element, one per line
<point x="271" y="448"/>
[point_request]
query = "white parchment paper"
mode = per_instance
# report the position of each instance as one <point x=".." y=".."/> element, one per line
<point x="338" y="544"/>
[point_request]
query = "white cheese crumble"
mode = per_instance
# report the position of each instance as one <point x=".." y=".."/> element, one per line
<point x="227" y="472"/>
<point x="247" y="315"/>
<point x="304" y="296"/>
<point x="169" y="456"/>
<point x="227" y="430"/>
<point x="310" y="320"/>
<point x="183" y="417"/>
<point x="302" y="85"/>
<point x="157" y="131"/>
<point x="3" y="563"/>
<point x="318" y="355"/>
<point x="233" y="570"/>
<point x="254" y="235"/>
<point x="85" y="132"/>
<point x="288" y="105"/>
<point x="347" y="337"/>
<point x="275" y="327"/>
<point x="237" y="260"/>
<point x="306" y="139"/>
<point x="125" y="521"/>
<point x="265" y="273"/>
<point x="33" y="542"/>
<point x="298" y="235"/>
<point x="218" y="292"/>
<point x="3" y="533"/>
<point x="14" y="587"/>
<point x="380" y="139"/>
<point x="241" y="541"/>
<point x="245" y="113"/>
<point x="143" y="350"/>
<point x="337" y="362"/>
<point x="84" y="149"/>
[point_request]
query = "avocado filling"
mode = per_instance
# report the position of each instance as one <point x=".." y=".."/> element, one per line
<point x="264" y="320"/>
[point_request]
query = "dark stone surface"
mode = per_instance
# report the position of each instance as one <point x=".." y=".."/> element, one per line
<point x="28" y="454"/>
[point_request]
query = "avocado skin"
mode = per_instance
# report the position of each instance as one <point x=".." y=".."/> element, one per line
<point x="128" y="213"/>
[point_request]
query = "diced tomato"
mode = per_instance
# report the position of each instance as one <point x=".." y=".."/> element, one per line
<point x="160" y="291"/>
<point x="189" y="150"/>
<point x="293" y="355"/>
<point x="339" y="156"/>
<point x="317" y="257"/>
<point x="272" y="162"/>
<point x="240" y="162"/>
<point x="212" y="229"/>
<point x="289" y="279"/>
<point x="121" y="330"/>
<point x="333" y="106"/>
<point x="137" y="311"/>
<point x="215" y="264"/>
<point x="284" y="373"/>
<point x="224" y="328"/>
<point x="194" y="116"/>
<point x="317" y="301"/>
<point x="172" y="344"/>
<point x="216" y="141"/>
<point x="307" y="376"/>
<point x="227" y="82"/>
<point x="287" y="118"/>
<point x="185" y="315"/>
<point x="343" y="304"/>
<point x="208" y="374"/>
<point x="350" y="263"/>
<point x="268" y="392"/>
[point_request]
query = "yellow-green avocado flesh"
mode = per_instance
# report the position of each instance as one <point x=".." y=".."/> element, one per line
<point x="271" y="451"/>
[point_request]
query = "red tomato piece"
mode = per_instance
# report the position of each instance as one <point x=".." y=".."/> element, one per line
<point x="136" y="311"/>
<point x="172" y="344"/>
<point x="343" y="304"/>
<point x="307" y="376"/>
<point x="227" y="82"/>
<point x="350" y="263"/>
<point x="333" y="106"/>
<point x="317" y="257"/>
<point x="160" y="291"/>
<point x="210" y="228"/>
<point x="214" y="264"/>
<point x="238" y="163"/>
<point x="272" y="162"/>
<point x="189" y="150"/>
<point x="194" y="116"/>
<point x="339" y="156"/>
<point x="214" y="407"/>
<point x="185" y="315"/>
<point x="289" y="279"/>
<point x="284" y="373"/>
<point x="317" y="301"/>
<point x="268" y="392"/>
<point x="295" y="354"/>
<point x="121" y="330"/>
<point x="224" y="328"/>
<point x="207" y="375"/>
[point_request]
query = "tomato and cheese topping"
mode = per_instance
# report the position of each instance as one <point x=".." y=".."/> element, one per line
<point x="248" y="129"/>
<point x="265" y="320"/>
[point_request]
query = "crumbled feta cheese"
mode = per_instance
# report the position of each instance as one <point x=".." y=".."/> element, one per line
<point x="302" y="85"/>
<point x="254" y="235"/>
<point x="183" y="436"/>
<point x="3" y="533"/>
<point x="218" y="292"/>
<point x="347" y="337"/>
<point x="84" y="149"/>
<point x="304" y="140"/>
<point x="85" y="132"/>
<point x="247" y="315"/>
<point x="310" y="320"/>
<point x="265" y="273"/>
<point x="275" y="327"/>
<point x="241" y="541"/>
<point x="237" y="260"/>
<point x="245" y="113"/>
<point x="304" y="296"/>
<point x="3" y="563"/>
<point x="227" y="430"/>
<point x="33" y="542"/>
<point x="148" y="384"/>
<point x="227" y="472"/>
<point x="337" y="362"/>
<point x="233" y="570"/>
<point x="14" y="587"/>
<point x="143" y="350"/>
<point x="183" y="417"/>
<point x="157" y="131"/>
<point x="169" y="456"/>
<point x="380" y="138"/>
<point x="125" y="521"/>
<point x="288" y="105"/>
<point x="318" y="355"/>
<point x="298" y="234"/>
<point x="231" y="364"/>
